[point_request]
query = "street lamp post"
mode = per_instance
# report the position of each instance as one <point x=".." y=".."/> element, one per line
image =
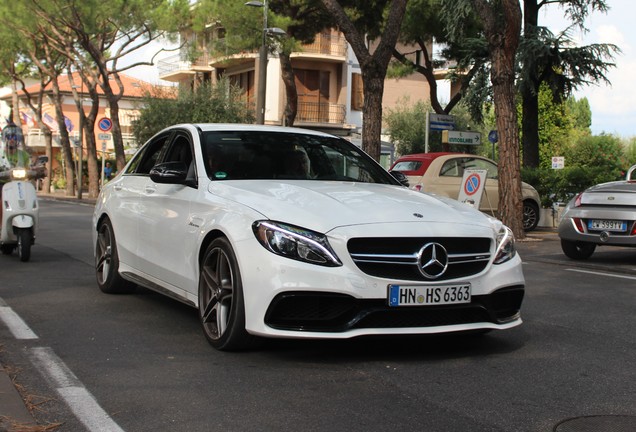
<point x="81" y="144"/>
<point x="262" y="61"/>
<point x="262" y="65"/>
<point x="81" y="140"/>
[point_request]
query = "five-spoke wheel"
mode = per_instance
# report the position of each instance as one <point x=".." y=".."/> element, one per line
<point x="221" y="306"/>
<point x="107" y="262"/>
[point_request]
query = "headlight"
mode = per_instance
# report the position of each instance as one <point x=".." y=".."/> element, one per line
<point x="505" y="245"/>
<point x="295" y="243"/>
<point x="18" y="173"/>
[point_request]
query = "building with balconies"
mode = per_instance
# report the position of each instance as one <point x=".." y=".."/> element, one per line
<point x="327" y="76"/>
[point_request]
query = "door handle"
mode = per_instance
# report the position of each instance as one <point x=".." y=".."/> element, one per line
<point x="150" y="189"/>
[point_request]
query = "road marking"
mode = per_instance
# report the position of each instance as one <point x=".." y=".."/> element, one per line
<point x="603" y="274"/>
<point x="69" y="387"/>
<point x="16" y="325"/>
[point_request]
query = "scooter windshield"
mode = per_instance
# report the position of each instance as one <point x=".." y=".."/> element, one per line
<point x="13" y="152"/>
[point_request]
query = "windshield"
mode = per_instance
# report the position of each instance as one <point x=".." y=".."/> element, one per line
<point x="231" y="155"/>
<point x="13" y="152"/>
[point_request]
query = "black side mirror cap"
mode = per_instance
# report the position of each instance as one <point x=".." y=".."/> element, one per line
<point x="401" y="177"/>
<point x="169" y="173"/>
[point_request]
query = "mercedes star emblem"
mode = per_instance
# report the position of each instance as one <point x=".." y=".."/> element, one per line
<point x="432" y="260"/>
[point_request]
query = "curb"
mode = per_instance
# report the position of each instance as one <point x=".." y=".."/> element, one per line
<point x="14" y="414"/>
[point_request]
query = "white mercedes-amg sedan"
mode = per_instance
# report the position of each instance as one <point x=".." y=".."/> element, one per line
<point x="290" y="233"/>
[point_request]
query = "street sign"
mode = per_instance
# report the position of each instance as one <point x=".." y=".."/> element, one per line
<point x="105" y="124"/>
<point x="472" y="187"/>
<point x="441" y="122"/>
<point x="493" y="137"/>
<point x="558" y="162"/>
<point x="104" y="136"/>
<point x="461" y="137"/>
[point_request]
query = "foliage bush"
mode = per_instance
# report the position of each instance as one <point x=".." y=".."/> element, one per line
<point x="221" y="103"/>
<point x="560" y="185"/>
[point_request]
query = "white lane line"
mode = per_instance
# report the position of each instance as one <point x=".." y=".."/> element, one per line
<point x="16" y="325"/>
<point x="69" y="387"/>
<point x="603" y="274"/>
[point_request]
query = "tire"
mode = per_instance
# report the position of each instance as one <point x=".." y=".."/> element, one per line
<point x="107" y="262"/>
<point x="25" y="239"/>
<point x="530" y="215"/>
<point x="7" y="249"/>
<point x="221" y="304"/>
<point x="577" y="250"/>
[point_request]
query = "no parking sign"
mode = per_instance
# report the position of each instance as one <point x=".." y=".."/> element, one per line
<point x="472" y="187"/>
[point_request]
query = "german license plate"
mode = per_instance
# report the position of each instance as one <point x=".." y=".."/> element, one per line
<point x="606" y="225"/>
<point x="417" y="295"/>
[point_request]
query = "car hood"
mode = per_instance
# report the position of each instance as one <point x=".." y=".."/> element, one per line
<point x="325" y="205"/>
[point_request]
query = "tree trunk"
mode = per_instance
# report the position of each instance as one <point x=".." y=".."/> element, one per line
<point x="291" y="107"/>
<point x="502" y="26"/>
<point x="373" y="66"/>
<point x="372" y="115"/>
<point x="530" y="93"/>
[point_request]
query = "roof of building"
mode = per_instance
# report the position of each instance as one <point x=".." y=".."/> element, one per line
<point x="133" y="88"/>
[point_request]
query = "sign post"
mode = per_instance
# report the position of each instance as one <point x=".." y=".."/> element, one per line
<point x="105" y="125"/>
<point x="440" y="122"/>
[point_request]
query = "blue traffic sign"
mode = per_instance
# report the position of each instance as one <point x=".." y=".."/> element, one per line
<point x="493" y="137"/>
<point x="105" y="124"/>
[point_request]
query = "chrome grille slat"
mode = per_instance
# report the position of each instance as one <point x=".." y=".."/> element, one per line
<point x="396" y="258"/>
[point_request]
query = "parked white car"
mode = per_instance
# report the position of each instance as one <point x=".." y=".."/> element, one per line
<point x="331" y="246"/>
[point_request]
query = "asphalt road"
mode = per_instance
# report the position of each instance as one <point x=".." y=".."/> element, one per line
<point x="140" y="362"/>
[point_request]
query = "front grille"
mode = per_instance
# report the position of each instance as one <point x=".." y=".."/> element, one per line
<point x="326" y="312"/>
<point x="397" y="258"/>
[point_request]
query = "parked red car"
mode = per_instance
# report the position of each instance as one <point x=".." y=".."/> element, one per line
<point x="442" y="173"/>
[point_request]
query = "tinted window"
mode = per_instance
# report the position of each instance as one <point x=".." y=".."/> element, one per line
<point x="277" y="155"/>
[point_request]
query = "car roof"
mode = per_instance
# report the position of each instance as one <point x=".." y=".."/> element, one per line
<point x="209" y="127"/>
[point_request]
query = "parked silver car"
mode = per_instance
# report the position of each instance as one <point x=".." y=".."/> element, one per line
<point x="604" y="214"/>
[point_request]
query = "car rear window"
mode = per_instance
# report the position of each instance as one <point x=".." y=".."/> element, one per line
<point x="407" y="167"/>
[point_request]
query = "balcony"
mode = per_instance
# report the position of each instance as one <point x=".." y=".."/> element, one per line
<point x="176" y="67"/>
<point x="325" y="46"/>
<point x="320" y="113"/>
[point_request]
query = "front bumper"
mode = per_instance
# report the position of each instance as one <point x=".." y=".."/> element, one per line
<point x="291" y="299"/>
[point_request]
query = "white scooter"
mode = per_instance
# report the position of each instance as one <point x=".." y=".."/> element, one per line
<point x="19" y="206"/>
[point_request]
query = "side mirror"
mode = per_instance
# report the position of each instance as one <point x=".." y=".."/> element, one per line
<point x="169" y="173"/>
<point x="401" y="177"/>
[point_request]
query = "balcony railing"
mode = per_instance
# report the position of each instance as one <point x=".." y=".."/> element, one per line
<point x="178" y="63"/>
<point x="328" y="44"/>
<point x="320" y="112"/>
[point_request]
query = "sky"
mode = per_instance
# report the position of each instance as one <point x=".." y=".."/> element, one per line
<point x="613" y="106"/>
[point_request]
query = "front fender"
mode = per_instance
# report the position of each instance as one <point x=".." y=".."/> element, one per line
<point x="22" y="221"/>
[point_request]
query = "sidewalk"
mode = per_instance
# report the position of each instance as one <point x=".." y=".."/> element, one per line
<point x="61" y="196"/>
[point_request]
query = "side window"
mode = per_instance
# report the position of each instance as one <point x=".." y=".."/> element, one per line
<point x="149" y="155"/>
<point x="452" y="168"/>
<point x="180" y="150"/>
<point x="488" y="166"/>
